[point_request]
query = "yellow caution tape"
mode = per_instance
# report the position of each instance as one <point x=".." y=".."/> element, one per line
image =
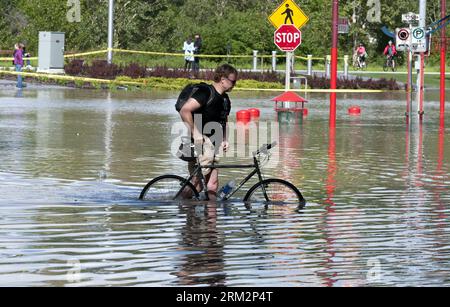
<point x="320" y="90"/>
<point x="11" y="59"/>
<point x="181" y="54"/>
<point x="68" y="78"/>
<point x="73" y="78"/>
<point x="84" y="53"/>
<point x="170" y="54"/>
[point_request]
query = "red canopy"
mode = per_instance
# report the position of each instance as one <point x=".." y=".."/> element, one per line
<point x="289" y="97"/>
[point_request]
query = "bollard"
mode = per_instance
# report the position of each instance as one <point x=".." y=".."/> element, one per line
<point x="274" y="60"/>
<point x="309" y="72"/>
<point x="354" y="110"/>
<point x="327" y="66"/>
<point x="255" y="60"/>
<point x="243" y="116"/>
<point x="346" y="66"/>
<point x="254" y="113"/>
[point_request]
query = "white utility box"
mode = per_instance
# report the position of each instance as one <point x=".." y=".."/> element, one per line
<point x="51" y="52"/>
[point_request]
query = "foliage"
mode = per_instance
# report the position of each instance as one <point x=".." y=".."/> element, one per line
<point x="74" y="67"/>
<point x="316" y="82"/>
<point x="134" y="71"/>
<point x="180" y="83"/>
<point x="102" y="70"/>
<point x="225" y="25"/>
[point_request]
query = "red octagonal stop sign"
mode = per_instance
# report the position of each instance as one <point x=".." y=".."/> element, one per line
<point x="287" y="37"/>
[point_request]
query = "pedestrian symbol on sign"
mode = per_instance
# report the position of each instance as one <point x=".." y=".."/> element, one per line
<point x="289" y="13"/>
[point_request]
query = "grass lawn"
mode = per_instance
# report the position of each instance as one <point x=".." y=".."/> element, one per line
<point x="431" y="81"/>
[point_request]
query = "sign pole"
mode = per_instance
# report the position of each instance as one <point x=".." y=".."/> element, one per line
<point x="422" y="23"/>
<point x="410" y="94"/>
<point x="410" y="77"/>
<point x="408" y="87"/>
<point x="110" y="30"/>
<point x="422" y="81"/>
<point x="288" y="70"/>
<point x="288" y="75"/>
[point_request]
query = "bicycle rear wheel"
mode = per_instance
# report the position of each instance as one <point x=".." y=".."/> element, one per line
<point x="166" y="188"/>
<point x="278" y="191"/>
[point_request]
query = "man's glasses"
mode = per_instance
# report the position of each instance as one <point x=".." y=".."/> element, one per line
<point x="232" y="81"/>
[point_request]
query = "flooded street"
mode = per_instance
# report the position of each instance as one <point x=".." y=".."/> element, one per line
<point x="73" y="163"/>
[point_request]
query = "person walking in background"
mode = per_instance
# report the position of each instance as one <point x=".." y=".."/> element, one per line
<point x="18" y="62"/>
<point x="27" y="56"/>
<point x="188" y="49"/>
<point x="197" y="50"/>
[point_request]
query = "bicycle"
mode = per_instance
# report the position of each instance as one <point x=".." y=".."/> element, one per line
<point x="359" y="63"/>
<point x="390" y="63"/>
<point x="272" y="190"/>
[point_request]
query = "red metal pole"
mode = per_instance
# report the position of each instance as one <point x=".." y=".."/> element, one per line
<point x="422" y="80"/>
<point x="334" y="55"/>
<point x="441" y="146"/>
<point x="408" y="89"/>
<point x="443" y="52"/>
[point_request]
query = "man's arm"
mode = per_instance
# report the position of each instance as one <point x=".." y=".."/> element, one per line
<point x="186" y="115"/>
<point x="225" y="143"/>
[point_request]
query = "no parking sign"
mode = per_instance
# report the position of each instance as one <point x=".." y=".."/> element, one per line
<point x="402" y="39"/>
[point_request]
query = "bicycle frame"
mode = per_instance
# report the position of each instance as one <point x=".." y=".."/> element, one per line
<point x="197" y="172"/>
<point x="360" y="62"/>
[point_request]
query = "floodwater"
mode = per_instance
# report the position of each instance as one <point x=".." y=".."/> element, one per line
<point x="73" y="163"/>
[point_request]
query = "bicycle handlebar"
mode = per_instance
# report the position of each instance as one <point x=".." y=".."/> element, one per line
<point x="264" y="148"/>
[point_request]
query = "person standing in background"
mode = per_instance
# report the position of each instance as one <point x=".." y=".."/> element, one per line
<point x="197" y="50"/>
<point x="18" y="63"/>
<point x="188" y="49"/>
<point x="27" y="56"/>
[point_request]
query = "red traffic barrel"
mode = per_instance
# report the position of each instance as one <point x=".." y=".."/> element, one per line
<point x="243" y="116"/>
<point x="305" y="112"/>
<point x="254" y="113"/>
<point x="354" y="110"/>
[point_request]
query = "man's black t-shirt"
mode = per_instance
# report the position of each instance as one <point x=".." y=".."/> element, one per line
<point x="216" y="112"/>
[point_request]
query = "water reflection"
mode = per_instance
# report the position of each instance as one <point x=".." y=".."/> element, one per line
<point x="202" y="247"/>
<point x="19" y="93"/>
<point x="109" y="124"/>
<point x="73" y="163"/>
<point x="291" y="145"/>
<point x="330" y="278"/>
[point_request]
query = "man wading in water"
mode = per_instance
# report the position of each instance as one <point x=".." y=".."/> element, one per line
<point x="207" y="123"/>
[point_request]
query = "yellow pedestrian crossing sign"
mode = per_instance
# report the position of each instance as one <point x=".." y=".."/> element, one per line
<point x="288" y="13"/>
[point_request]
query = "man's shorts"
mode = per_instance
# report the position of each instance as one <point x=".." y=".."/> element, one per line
<point x="206" y="158"/>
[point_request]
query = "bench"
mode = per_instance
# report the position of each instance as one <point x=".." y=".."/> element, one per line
<point x="6" y="53"/>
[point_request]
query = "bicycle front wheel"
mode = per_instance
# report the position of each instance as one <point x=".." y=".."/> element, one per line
<point x="276" y="191"/>
<point x="167" y="188"/>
